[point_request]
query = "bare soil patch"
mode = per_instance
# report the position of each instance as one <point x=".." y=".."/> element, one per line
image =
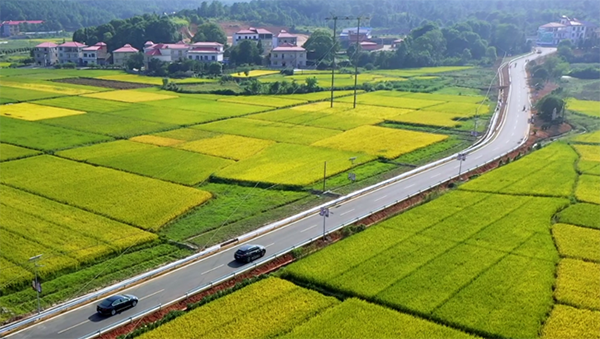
<point x="103" y="83"/>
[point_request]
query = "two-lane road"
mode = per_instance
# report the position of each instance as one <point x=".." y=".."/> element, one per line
<point x="84" y="320"/>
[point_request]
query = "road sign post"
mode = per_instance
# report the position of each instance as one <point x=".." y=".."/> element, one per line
<point x="324" y="212"/>
<point x="37" y="286"/>
<point x="461" y="157"/>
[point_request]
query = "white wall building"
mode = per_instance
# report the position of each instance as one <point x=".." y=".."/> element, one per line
<point x="71" y="52"/>
<point x="120" y="55"/>
<point x="206" y="52"/>
<point x="97" y="54"/>
<point x="288" y="56"/>
<point x="255" y="34"/>
<point x="46" y="54"/>
<point x="551" y="34"/>
<point x="285" y="38"/>
<point x="200" y="51"/>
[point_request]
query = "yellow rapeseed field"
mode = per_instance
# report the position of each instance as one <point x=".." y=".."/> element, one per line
<point x="130" y="96"/>
<point x="47" y="88"/>
<point x="156" y="140"/>
<point x="380" y="141"/>
<point x="228" y="146"/>
<point x="32" y="112"/>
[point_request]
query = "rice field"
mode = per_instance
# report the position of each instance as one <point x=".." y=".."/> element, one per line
<point x="81" y="103"/>
<point x="447" y="97"/>
<point x="254" y="73"/>
<point x="411" y="72"/>
<point x="228" y="146"/>
<point x="156" y="140"/>
<point x="11" y="94"/>
<point x="11" y="152"/>
<point x="178" y="166"/>
<point x="577" y="284"/>
<point x="144" y="202"/>
<point x="141" y="79"/>
<point x="587" y="107"/>
<point x="577" y="242"/>
<point x="186" y="134"/>
<point x="373" y="98"/>
<point x="380" y="141"/>
<point x="570" y="322"/>
<point x="316" y="96"/>
<point x="342" y="122"/>
<point x="49" y="87"/>
<point x="289" y="164"/>
<point x="213" y="109"/>
<point x="32" y="112"/>
<point x="592" y="138"/>
<point x="428" y="118"/>
<point x="587" y="189"/>
<point x="130" y="96"/>
<point x="464" y="109"/>
<point x="263" y="100"/>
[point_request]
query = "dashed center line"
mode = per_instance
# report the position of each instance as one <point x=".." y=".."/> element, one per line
<point x="341" y="214"/>
<point x="385" y="196"/>
<point x="271" y="244"/>
<point x="409" y="186"/>
<point x="212" y="269"/>
<point x="306" y="229"/>
<point x="72" y="327"/>
<point x="437" y="175"/>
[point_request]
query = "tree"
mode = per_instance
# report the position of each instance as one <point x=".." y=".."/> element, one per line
<point x="549" y="107"/>
<point x="210" y="31"/>
<point x="135" y="61"/>
<point x="157" y="67"/>
<point x="321" y="44"/>
<point x="215" y="68"/>
<point x="246" y="52"/>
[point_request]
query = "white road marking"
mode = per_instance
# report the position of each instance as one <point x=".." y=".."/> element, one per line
<point x="409" y="186"/>
<point x="385" y="196"/>
<point x="341" y="214"/>
<point x="157" y="292"/>
<point x="437" y="175"/>
<point x="306" y="229"/>
<point x="72" y="327"/>
<point x="271" y="244"/>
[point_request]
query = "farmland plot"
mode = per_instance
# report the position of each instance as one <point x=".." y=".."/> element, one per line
<point x="186" y="134"/>
<point x="433" y="118"/>
<point x="577" y="284"/>
<point x="261" y="100"/>
<point x="375" y="99"/>
<point x="51" y="88"/>
<point x="581" y="214"/>
<point x="10" y="152"/>
<point x="464" y="109"/>
<point x="380" y="141"/>
<point x="86" y="104"/>
<point x="228" y="146"/>
<point x="589" y="159"/>
<point x="587" y="107"/>
<point x="317" y="119"/>
<point x="156" y="140"/>
<point x="315" y="96"/>
<point x="44" y="137"/>
<point x="172" y="115"/>
<point x="265" y="309"/>
<point x="590" y="138"/>
<point x="145" y="202"/>
<point x="130" y="96"/>
<point x="577" y="242"/>
<point x="12" y="94"/>
<point x="32" y="112"/>
<point x="446" y="97"/>
<point x="569" y="322"/>
<point x="165" y="163"/>
<point x="212" y="108"/>
<point x="281" y="132"/>
<point x="12" y="273"/>
<point x="290" y="164"/>
<point x="588" y="187"/>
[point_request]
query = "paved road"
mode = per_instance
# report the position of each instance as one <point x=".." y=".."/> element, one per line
<point x="84" y="320"/>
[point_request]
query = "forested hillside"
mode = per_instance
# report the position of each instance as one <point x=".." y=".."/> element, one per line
<point x="397" y="14"/>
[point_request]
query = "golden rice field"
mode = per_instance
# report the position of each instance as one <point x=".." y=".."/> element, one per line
<point x="254" y="73"/>
<point x="463" y="109"/>
<point x="150" y="80"/>
<point x="130" y="96"/>
<point x="592" y="138"/>
<point x="263" y="100"/>
<point x="290" y="164"/>
<point x="380" y="141"/>
<point x="570" y="322"/>
<point x="156" y="140"/>
<point x="228" y="146"/>
<point x="32" y="112"/>
<point x="588" y="152"/>
<point x="587" y="189"/>
<point x="587" y="107"/>
<point x="432" y="118"/>
<point x="318" y="119"/>
<point x="47" y="87"/>
<point x="577" y="242"/>
<point x="577" y="284"/>
<point x="373" y="98"/>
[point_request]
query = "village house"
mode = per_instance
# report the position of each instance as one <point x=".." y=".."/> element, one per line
<point x="12" y="27"/>
<point x="46" y="54"/>
<point x="288" y="56"/>
<point x="120" y="55"/>
<point x="95" y="55"/>
<point x="285" y="38"/>
<point x="255" y="34"/>
<point x="71" y="52"/>
<point x="551" y="34"/>
<point x="206" y="52"/>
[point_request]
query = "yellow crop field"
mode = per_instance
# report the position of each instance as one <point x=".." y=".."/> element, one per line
<point x="566" y="322"/>
<point x="426" y="118"/>
<point x="150" y="80"/>
<point x="446" y="97"/>
<point x="463" y="109"/>
<point x="11" y="273"/>
<point x="262" y="100"/>
<point x="9" y="152"/>
<point x="374" y="111"/>
<point x="317" y="119"/>
<point x="290" y="164"/>
<point x="375" y="99"/>
<point x="592" y="138"/>
<point x="156" y="140"/>
<point x="147" y="203"/>
<point x="228" y="146"/>
<point x="186" y="134"/>
<point x="588" y="107"/>
<point x="380" y="141"/>
<point x="254" y="73"/>
<point x="130" y="96"/>
<point x="32" y="112"/>
<point x="47" y="88"/>
<point x="410" y="72"/>
<point x="324" y="106"/>
<point x="588" y="187"/>
<point x="283" y="306"/>
<point x="577" y="242"/>
<point x="588" y="152"/>
<point x="578" y="284"/>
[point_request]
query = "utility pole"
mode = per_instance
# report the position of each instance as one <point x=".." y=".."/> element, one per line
<point x="35" y="283"/>
<point x="335" y="19"/>
<point x="461" y="157"/>
<point x="356" y="55"/>
<point x="324" y="212"/>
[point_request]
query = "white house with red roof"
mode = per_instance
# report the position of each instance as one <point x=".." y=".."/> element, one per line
<point x="120" y="55"/>
<point x="71" y="52"/>
<point x="551" y="34"/>
<point x="46" y="54"/>
<point x="285" y="38"/>
<point x="12" y="27"/>
<point x="255" y="34"/>
<point x="165" y="52"/>
<point x="288" y="56"/>
<point x="97" y="54"/>
<point x="206" y="52"/>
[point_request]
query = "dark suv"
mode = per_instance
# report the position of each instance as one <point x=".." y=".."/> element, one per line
<point x="247" y="253"/>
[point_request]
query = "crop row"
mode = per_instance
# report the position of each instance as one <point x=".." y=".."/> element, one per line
<point x="12" y="94"/>
<point x="209" y="105"/>
<point x="577" y="242"/>
<point x="228" y="146"/>
<point x="145" y="202"/>
<point x="265" y="309"/>
<point x="180" y="166"/>
<point x="373" y="98"/>
<point x="549" y="171"/>
<point x="86" y="104"/>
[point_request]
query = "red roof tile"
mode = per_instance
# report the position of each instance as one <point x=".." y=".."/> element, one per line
<point x="16" y="22"/>
<point x="126" y="49"/>
<point x="207" y="43"/>
<point x="153" y="52"/>
<point x="285" y="34"/>
<point x="92" y="48"/>
<point x="72" y="44"/>
<point x="47" y="45"/>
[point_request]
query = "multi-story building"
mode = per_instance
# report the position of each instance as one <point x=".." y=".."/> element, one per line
<point x="288" y="56"/>
<point x="551" y="34"/>
<point x="206" y="52"/>
<point x="165" y="52"/>
<point x="46" y="54"/>
<point x="285" y="38"/>
<point x="120" y="55"/>
<point x="255" y="34"/>
<point x="12" y="27"/>
<point x="350" y="34"/>
<point x="71" y="52"/>
<point x="95" y="55"/>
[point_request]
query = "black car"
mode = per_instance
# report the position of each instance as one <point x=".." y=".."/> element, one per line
<point x="247" y="253"/>
<point x="116" y="303"/>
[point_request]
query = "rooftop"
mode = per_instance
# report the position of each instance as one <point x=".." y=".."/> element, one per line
<point x="206" y="44"/>
<point x="126" y="49"/>
<point x="285" y="34"/>
<point x="252" y="30"/>
<point x="288" y="48"/>
<point x="47" y="45"/>
<point x="16" y="22"/>
<point x="72" y="44"/>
